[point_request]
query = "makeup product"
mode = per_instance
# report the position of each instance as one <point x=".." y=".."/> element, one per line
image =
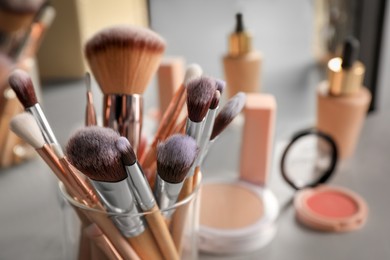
<point x="307" y="169"/>
<point x="342" y="101"/>
<point x="174" y="159"/>
<point x="123" y="60"/>
<point x="257" y="138"/>
<point x="242" y="63"/>
<point x="145" y="200"/>
<point x="170" y="76"/>
<point x="240" y="215"/>
<point x="23" y="86"/>
<point x="110" y="180"/>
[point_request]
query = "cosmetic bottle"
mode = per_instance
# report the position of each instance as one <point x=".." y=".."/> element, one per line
<point x="342" y="101"/>
<point x="242" y="63"/>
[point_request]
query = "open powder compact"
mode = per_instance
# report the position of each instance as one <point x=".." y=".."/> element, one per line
<point x="307" y="164"/>
<point x="236" y="217"/>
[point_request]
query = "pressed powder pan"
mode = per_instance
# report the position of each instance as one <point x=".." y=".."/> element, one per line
<point x="317" y="205"/>
<point x="236" y="217"/>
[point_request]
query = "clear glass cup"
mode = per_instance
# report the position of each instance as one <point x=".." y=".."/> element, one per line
<point x="183" y="226"/>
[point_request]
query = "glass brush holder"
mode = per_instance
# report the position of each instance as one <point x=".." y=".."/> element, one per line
<point x="183" y="227"/>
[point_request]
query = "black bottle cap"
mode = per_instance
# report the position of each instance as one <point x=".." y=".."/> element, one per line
<point x="350" y="52"/>
<point x="239" y="23"/>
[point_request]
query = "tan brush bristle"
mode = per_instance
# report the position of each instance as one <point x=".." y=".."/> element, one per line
<point x="123" y="59"/>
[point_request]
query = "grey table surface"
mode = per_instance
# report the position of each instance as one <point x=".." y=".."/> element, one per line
<point x="36" y="224"/>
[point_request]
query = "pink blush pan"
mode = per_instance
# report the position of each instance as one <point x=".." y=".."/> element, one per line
<point x="330" y="209"/>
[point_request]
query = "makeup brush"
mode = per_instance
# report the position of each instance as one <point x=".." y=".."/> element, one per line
<point x="123" y="60"/>
<point x="15" y="17"/>
<point x="90" y="113"/>
<point x="22" y="84"/>
<point x="31" y="41"/>
<point x="231" y="109"/>
<point x="221" y="85"/>
<point x="174" y="159"/>
<point x="93" y="151"/>
<point x="200" y="93"/>
<point x="145" y="199"/>
<point x="25" y="126"/>
<point x="168" y="121"/>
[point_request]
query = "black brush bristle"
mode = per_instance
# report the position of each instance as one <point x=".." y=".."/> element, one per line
<point x="124" y="147"/>
<point x="232" y="108"/>
<point x="215" y="101"/>
<point x="92" y="150"/>
<point x="23" y="86"/>
<point x="175" y="157"/>
<point x="200" y="92"/>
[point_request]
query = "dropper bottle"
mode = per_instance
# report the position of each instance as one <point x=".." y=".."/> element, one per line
<point x="241" y="63"/>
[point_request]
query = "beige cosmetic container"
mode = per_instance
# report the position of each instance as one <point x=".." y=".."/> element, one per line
<point x="342" y="101"/>
<point x="241" y="63"/>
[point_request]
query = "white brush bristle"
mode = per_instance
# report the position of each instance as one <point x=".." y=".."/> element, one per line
<point x="193" y="71"/>
<point x="25" y="126"/>
<point x="48" y="16"/>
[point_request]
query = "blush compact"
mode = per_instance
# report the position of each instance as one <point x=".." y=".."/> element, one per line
<point x="307" y="164"/>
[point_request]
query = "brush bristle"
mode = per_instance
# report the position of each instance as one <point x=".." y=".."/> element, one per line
<point x="21" y="7"/>
<point x="25" y="126"/>
<point x="175" y="157"/>
<point x="232" y="108"/>
<point x="124" y="147"/>
<point x="220" y="85"/>
<point x="215" y="101"/>
<point x="23" y="86"/>
<point x="92" y="150"/>
<point x="193" y="71"/>
<point x="200" y="92"/>
<point x="123" y="59"/>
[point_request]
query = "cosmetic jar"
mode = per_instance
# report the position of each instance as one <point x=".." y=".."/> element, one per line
<point x="307" y="164"/>
<point x="184" y="233"/>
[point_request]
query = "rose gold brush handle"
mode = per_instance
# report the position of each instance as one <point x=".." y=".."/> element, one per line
<point x="166" y="123"/>
<point x="101" y="248"/>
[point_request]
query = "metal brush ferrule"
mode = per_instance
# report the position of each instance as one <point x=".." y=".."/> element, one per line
<point x="43" y="124"/>
<point x="140" y="187"/>
<point x="206" y="150"/>
<point x="205" y="138"/>
<point x="117" y="198"/>
<point x="166" y="194"/>
<point x="194" y="129"/>
<point x="123" y="113"/>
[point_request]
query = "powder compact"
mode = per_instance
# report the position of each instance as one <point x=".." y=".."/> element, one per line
<point x="236" y="216"/>
<point x="307" y="163"/>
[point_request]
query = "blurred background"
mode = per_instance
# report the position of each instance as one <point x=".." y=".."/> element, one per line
<point x="295" y="38"/>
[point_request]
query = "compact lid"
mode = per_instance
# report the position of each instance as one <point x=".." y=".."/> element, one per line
<point x="309" y="159"/>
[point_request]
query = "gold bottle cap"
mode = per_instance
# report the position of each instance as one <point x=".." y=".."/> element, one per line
<point x="240" y="41"/>
<point x="346" y="74"/>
